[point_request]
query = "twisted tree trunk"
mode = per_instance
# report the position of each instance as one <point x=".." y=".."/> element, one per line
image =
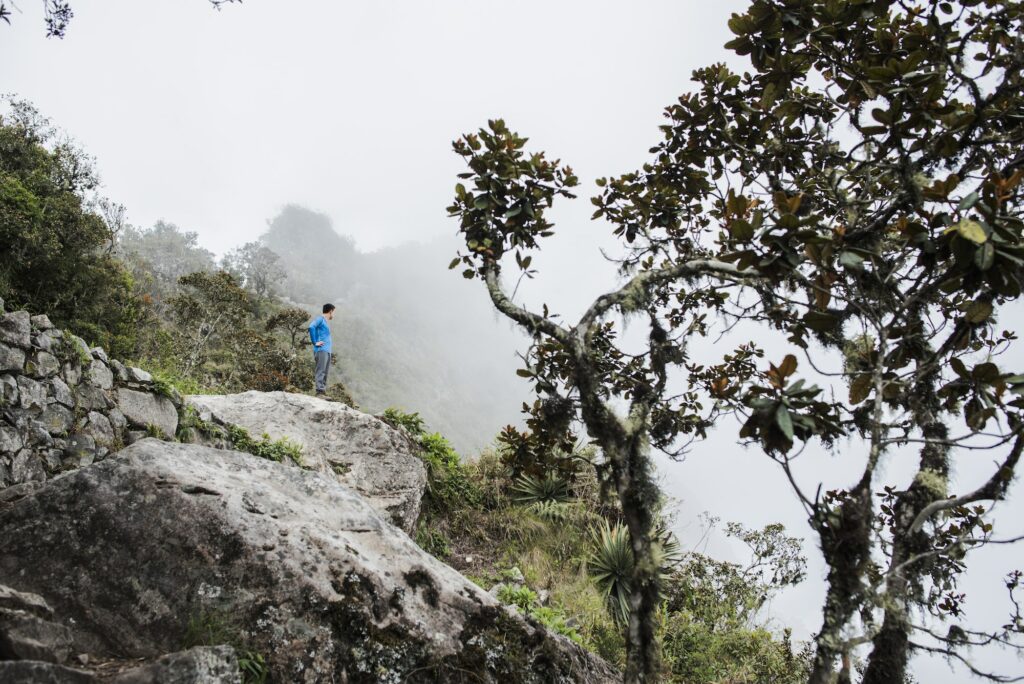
<point x="846" y="545"/>
<point x="891" y="651"/>
<point x="636" y="490"/>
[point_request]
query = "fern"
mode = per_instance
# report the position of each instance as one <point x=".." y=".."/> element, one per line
<point x="553" y="511"/>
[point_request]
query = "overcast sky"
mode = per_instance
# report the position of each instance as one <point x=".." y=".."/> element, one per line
<point x="214" y="120"/>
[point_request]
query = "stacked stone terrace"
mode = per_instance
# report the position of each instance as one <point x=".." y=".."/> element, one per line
<point x="64" y="405"/>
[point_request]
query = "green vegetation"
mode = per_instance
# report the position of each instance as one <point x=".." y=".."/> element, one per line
<point x="561" y="538"/>
<point x="57" y="250"/>
<point x="448" y="482"/>
<point x="271" y="449"/>
<point x="167" y="381"/>
<point x="155" y="431"/>
<point x="217" y="629"/>
<point x="548" y="489"/>
<point x="410" y="422"/>
<point x="253" y="667"/>
<point x="528" y="603"/>
<point x="67" y="350"/>
<point x="610" y="564"/>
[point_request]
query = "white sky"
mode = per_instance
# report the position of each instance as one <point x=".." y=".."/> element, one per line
<point x="214" y="120"/>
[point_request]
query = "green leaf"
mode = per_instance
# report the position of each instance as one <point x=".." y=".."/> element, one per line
<point x="860" y="388"/>
<point x="971" y="230"/>
<point x="820" y="321"/>
<point x="455" y="262"/>
<point x="784" y="421"/>
<point x="968" y="201"/>
<point x="985" y="372"/>
<point x="741" y="230"/>
<point x="851" y="260"/>
<point x="985" y="256"/>
<point x="978" y="311"/>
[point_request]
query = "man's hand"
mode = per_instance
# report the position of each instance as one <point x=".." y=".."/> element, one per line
<point x="319" y="344"/>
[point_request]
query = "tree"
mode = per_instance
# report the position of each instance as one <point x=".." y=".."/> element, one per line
<point x="858" y="193"/>
<point x="159" y="257"/>
<point x="210" y="307"/>
<point x="713" y="631"/>
<point x="58" y="14"/>
<point x="55" y="258"/>
<point x="257" y="268"/>
<point x="292" y="322"/>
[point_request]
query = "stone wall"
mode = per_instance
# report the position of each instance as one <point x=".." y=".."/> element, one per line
<point x="64" y="405"/>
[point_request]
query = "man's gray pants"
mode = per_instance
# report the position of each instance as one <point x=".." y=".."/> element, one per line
<point x="323" y="367"/>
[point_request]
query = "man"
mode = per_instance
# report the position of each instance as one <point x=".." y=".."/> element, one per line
<point x="320" y="336"/>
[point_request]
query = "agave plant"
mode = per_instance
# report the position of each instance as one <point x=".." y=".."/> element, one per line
<point x="530" y="490"/>
<point x="611" y="564"/>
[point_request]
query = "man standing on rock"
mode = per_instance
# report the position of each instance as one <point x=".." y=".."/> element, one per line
<point x="320" y="336"/>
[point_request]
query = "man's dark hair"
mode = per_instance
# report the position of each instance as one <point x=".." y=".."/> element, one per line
<point x="329" y="307"/>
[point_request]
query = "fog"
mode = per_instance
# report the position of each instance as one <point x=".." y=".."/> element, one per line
<point x="217" y="121"/>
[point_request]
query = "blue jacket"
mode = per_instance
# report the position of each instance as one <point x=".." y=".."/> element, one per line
<point x="320" y="332"/>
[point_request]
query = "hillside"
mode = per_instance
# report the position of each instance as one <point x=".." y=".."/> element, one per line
<point x="408" y="332"/>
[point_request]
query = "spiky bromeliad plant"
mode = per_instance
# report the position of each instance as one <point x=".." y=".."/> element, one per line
<point x="611" y="564"/>
<point x="551" y="487"/>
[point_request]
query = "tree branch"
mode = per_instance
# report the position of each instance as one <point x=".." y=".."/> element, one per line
<point x="993" y="490"/>
<point x="529" y="320"/>
<point x="633" y="293"/>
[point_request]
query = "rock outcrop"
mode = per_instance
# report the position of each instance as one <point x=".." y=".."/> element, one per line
<point x="361" y="451"/>
<point x="134" y="549"/>
<point x="64" y="404"/>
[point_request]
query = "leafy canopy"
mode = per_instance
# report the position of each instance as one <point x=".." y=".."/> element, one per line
<point x="857" y="193"/>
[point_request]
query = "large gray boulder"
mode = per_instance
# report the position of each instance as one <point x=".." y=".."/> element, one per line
<point x="304" y="571"/>
<point x="363" y="452"/>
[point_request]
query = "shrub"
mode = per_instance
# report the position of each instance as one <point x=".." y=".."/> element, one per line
<point x="433" y="542"/>
<point x="265" y="447"/>
<point x="410" y="422"/>
<point x="611" y="563"/>
<point x="448" y="485"/>
<point x="528" y="603"/>
<point x="338" y="392"/>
